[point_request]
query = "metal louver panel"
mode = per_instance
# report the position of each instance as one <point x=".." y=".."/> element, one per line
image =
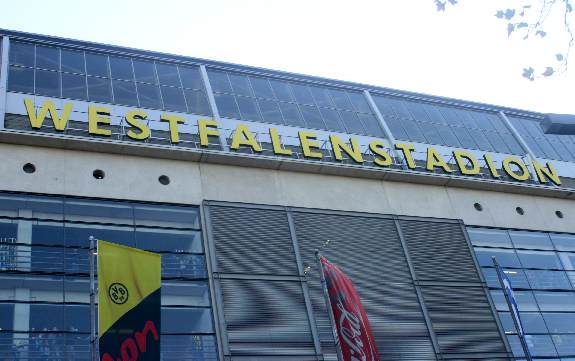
<point x="369" y="251"/>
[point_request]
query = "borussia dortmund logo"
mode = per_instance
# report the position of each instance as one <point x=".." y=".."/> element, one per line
<point x="118" y="293"/>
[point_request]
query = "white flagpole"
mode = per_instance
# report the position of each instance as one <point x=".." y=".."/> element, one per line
<point x="328" y="306"/>
<point x="93" y="337"/>
<point x="516" y="322"/>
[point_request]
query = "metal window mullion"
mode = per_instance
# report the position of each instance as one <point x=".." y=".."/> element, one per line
<point x="212" y="102"/>
<point x="3" y="77"/>
<point x="529" y="155"/>
<point x="305" y="288"/>
<point x="418" y="292"/>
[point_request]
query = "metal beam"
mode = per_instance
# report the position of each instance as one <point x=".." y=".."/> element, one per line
<point x="3" y="77"/>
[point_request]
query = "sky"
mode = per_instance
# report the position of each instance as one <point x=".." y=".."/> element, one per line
<point x="462" y="53"/>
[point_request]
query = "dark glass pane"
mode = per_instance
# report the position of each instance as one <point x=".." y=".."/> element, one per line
<point x="506" y="258"/>
<point x="340" y="99"/>
<point x="183" y="266"/>
<point x="186" y="320"/>
<point x="48" y="234"/>
<point x="282" y="90"/>
<point x="6" y="317"/>
<point x="125" y="92"/>
<point x="312" y="117"/>
<point x="332" y="120"/>
<point x="248" y="109"/>
<point x="46" y="318"/>
<point x="351" y="122"/>
<point x="41" y="207"/>
<point x="173" y="99"/>
<point x="538" y="259"/>
<point x="371" y="124"/>
<point x="77" y="318"/>
<point x="481" y="140"/>
<point x="99" y="90"/>
<point x="531" y="240"/>
<point x="550" y="280"/>
<point x="121" y="68"/>
<point x="47" y="83"/>
<point x="302" y="94"/>
<point x="321" y="97"/>
<point x="21" y="80"/>
<point x="189" y="347"/>
<point x="359" y="102"/>
<point x="270" y="111"/>
<point x="74" y="86"/>
<point x="47" y="58"/>
<point x="76" y="261"/>
<point x="448" y="136"/>
<point x="176" y="241"/>
<point x="197" y="102"/>
<point x="97" y="65"/>
<point x="22" y="54"/>
<point x="191" y="78"/>
<point x="396" y="128"/>
<point x="227" y="106"/>
<point x="144" y="71"/>
<point x="220" y="82"/>
<point x="240" y="85"/>
<point x="168" y="75"/>
<point x="79" y="235"/>
<point x="413" y="131"/>
<point x="149" y="96"/>
<point x="560" y="322"/>
<point x="261" y="88"/>
<point x="73" y="61"/>
<point x="291" y="114"/>
<point x="489" y="237"/>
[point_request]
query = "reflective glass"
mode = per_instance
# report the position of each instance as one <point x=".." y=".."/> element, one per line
<point x="270" y="111"/>
<point x="121" y="68"/>
<point x="189" y="293"/>
<point x="555" y="301"/>
<point x="551" y="280"/>
<point x="35" y="288"/>
<point x="166" y="216"/>
<point x="189" y="347"/>
<point x="359" y="103"/>
<point x="240" y="85"/>
<point x="48" y="234"/>
<point x="197" y="102"/>
<point x="248" y="109"/>
<point x="149" y="95"/>
<point x="77" y="318"/>
<point x="74" y="86"/>
<point x="565" y="344"/>
<point x="99" y="90"/>
<point x="21" y="79"/>
<point x="99" y="211"/>
<point x="332" y="120"/>
<point x="563" y="242"/>
<point x="168" y="75"/>
<point x="144" y="71"/>
<point x="176" y="320"/>
<point x="531" y="240"/>
<point x="261" y="88"/>
<point x="183" y="266"/>
<point x="489" y="237"/>
<point x="6" y="317"/>
<point x="191" y="78"/>
<point x="321" y="97"/>
<point x="371" y="125"/>
<point x="525" y="301"/>
<point x="516" y="276"/>
<point x="173" y="99"/>
<point x="302" y="94"/>
<point x="291" y="114"/>
<point x="568" y="260"/>
<point x="47" y="58"/>
<point x="532" y="322"/>
<point x="340" y="99"/>
<point x="560" y="322"/>
<point x="177" y="241"/>
<point x="97" y="65"/>
<point x="281" y="90"/>
<point x="72" y="61"/>
<point x="540" y="345"/>
<point x="124" y="92"/>
<point x="78" y="235"/>
<point x="227" y="106"/>
<point x="539" y="259"/>
<point x="505" y="257"/>
<point x="46" y="318"/>
<point x="219" y="82"/>
<point x="18" y="205"/>
<point x="21" y="54"/>
<point x="312" y="117"/>
<point x="47" y="83"/>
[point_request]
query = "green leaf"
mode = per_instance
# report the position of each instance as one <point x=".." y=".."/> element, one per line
<point x="529" y="73"/>
<point x="559" y="57"/>
<point x="548" y="71"/>
<point x="541" y="33"/>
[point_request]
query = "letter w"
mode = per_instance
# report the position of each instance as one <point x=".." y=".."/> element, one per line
<point x="48" y="106"/>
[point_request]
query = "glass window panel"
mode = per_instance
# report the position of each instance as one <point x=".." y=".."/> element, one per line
<point x="31" y="288"/>
<point x="47" y="58"/>
<point x="186" y="320"/>
<point x="240" y="85"/>
<point x="332" y="120"/>
<point x="21" y="80"/>
<point x="413" y="131"/>
<point x="78" y="235"/>
<point x="515" y="346"/>
<point x="144" y="71"/>
<point x="555" y="301"/>
<point x="539" y="259"/>
<point x="261" y="88"/>
<point x="76" y="261"/>
<point x="168" y="75"/>
<point x="73" y="61"/>
<point x="497" y="142"/>
<point x="464" y="138"/>
<point x="121" y="68"/>
<point x="99" y="211"/>
<point x="568" y="260"/>
<point x="481" y="139"/>
<point x="563" y="242"/>
<point x="291" y="114"/>
<point x="77" y="289"/>
<point x="489" y="237"/>
<point x="396" y="128"/>
<point x="191" y="78"/>
<point x="321" y="97"/>
<point x="190" y="293"/>
<point x="359" y="102"/>
<point x="431" y="133"/>
<point x="74" y="86"/>
<point x="270" y="111"/>
<point x="169" y="240"/>
<point x="282" y="90"/>
<point x="97" y="65"/>
<point x="351" y="122"/>
<point x="77" y="318"/>
<point x="302" y="94"/>
<point x="505" y="257"/>
<point x="6" y="317"/>
<point x="560" y="322"/>
<point x="227" y="106"/>
<point x="340" y="99"/>
<point x="552" y="280"/>
<point x="189" y="347"/>
<point x="46" y="318"/>
<point x="220" y="82"/>
<point x="197" y="102"/>
<point x="183" y="266"/>
<point x="312" y="117"/>
<point x="47" y="83"/>
<point x="565" y="344"/>
<point x="22" y="54"/>
<point x="532" y="322"/>
<point x="540" y="345"/>
<point x="531" y="240"/>
<point x="248" y="109"/>
<point x="371" y="124"/>
<point x="125" y="92"/>
<point x="525" y="301"/>
<point x="48" y="234"/>
<point x="17" y="205"/>
<point x="173" y="99"/>
<point x="99" y="90"/>
<point x="516" y="276"/>
<point x="149" y="95"/>
<point x="167" y="216"/>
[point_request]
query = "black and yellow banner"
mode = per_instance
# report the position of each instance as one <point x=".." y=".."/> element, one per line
<point x="129" y="299"/>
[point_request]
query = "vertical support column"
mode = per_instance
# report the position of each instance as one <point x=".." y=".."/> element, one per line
<point x="383" y="124"/>
<point x="529" y="155"/>
<point x="212" y="101"/>
<point x="5" y="42"/>
<point x="305" y="288"/>
<point x="23" y="263"/>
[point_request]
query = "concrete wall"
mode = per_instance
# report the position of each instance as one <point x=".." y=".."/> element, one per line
<point x="69" y="172"/>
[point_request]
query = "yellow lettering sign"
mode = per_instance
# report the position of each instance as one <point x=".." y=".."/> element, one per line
<point x="95" y="118"/>
<point x="48" y="106"/>
<point x="434" y="159"/>
<point x="308" y="141"/>
<point x="173" y="121"/>
<point x="407" y="148"/>
<point x="133" y="118"/>
<point x="277" y="144"/>
<point x="507" y="162"/>
<point x="461" y="158"/>
<point x="338" y="145"/>
<point x="207" y="128"/>
<point x="243" y="136"/>
<point x="382" y="158"/>
<point x="544" y="173"/>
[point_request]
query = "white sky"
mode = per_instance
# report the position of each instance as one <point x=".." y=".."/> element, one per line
<point x="463" y="53"/>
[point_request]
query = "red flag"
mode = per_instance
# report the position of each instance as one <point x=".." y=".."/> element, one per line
<point x="355" y="336"/>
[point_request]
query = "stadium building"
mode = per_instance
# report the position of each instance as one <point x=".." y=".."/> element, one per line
<point x="237" y="174"/>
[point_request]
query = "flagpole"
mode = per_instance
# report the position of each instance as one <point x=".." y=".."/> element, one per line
<point x="328" y="306"/>
<point x="516" y="322"/>
<point x="93" y="338"/>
